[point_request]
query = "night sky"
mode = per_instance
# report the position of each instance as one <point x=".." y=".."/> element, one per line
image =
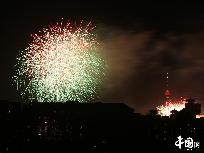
<point x="141" y="42"/>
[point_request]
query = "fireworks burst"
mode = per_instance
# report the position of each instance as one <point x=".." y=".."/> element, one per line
<point x="62" y="63"/>
<point x="169" y="105"/>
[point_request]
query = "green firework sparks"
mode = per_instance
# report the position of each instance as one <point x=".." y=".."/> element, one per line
<point x="62" y="63"/>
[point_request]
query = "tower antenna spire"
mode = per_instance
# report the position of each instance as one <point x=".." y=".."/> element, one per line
<point x="167" y="92"/>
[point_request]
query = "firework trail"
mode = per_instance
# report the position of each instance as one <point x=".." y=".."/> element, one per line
<point x="166" y="108"/>
<point x="62" y="63"/>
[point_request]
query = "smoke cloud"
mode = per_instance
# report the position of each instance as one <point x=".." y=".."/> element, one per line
<point x="138" y="60"/>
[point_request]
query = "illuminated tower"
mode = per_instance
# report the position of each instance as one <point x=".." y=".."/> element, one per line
<point x="167" y="92"/>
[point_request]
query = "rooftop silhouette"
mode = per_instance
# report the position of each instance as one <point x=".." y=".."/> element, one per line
<point x="90" y="127"/>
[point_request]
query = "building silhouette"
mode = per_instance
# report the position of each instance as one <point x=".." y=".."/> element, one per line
<point x="194" y="108"/>
<point x="90" y="128"/>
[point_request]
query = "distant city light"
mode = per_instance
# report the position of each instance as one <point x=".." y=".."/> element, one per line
<point x="200" y="116"/>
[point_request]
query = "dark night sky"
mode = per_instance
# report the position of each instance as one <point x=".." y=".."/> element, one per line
<point x="141" y="42"/>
